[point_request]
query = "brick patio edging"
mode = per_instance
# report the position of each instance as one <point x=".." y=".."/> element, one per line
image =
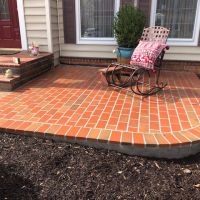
<point x="170" y="146"/>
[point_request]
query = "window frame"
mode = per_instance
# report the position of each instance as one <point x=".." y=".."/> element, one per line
<point x="180" y="41"/>
<point x="92" y="40"/>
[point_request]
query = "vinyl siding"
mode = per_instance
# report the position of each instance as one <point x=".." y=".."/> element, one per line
<point x="36" y="25"/>
<point x="35" y="19"/>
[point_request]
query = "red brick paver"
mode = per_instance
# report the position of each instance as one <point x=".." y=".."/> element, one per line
<point x="72" y="103"/>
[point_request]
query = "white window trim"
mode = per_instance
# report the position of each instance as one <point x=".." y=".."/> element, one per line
<point x="100" y="41"/>
<point x="175" y="41"/>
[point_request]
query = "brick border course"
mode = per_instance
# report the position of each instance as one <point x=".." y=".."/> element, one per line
<point x="54" y="106"/>
<point x="25" y="71"/>
<point x="172" y="65"/>
<point x="177" y="147"/>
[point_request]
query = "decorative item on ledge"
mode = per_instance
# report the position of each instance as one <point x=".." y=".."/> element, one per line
<point x="16" y="60"/>
<point x="9" y="73"/>
<point x="34" y="49"/>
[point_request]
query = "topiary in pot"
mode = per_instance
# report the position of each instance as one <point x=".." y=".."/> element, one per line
<point x="128" y="26"/>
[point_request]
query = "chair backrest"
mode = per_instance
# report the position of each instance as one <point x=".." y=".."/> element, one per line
<point x="155" y="34"/>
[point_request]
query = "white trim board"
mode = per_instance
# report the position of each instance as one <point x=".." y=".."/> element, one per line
<point x="22" y="25"/>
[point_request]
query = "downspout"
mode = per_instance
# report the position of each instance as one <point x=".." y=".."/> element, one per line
<point x="49" y="26"/>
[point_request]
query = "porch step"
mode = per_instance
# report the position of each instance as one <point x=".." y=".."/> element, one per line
<point x="29" y="68"/>
<point x="7" y="84"/>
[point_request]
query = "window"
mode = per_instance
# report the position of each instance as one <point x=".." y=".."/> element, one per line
<point x="181" y="16"/>
<point x="4" y="11"/>
<point x="94" y="19"/>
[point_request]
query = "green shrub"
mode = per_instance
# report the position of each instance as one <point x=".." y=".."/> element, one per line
<point x="128" y="26"/>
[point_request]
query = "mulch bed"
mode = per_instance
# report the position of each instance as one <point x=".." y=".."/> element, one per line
<point x="39" y="169"/>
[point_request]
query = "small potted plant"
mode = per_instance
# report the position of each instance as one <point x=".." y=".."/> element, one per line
<point x="128" y="26"/>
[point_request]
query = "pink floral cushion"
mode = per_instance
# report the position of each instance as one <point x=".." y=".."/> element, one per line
<point x="146" y="53"/>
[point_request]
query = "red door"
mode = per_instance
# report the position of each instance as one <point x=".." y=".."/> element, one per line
<point x="9" y="25"/>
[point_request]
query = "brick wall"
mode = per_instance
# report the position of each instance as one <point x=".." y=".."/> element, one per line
<point x="193" y="66"/>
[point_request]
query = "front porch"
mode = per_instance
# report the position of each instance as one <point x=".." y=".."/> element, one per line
<point x="71" y="104"/>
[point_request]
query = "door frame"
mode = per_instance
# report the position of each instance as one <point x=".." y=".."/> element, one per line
<point x="22" y="24"/>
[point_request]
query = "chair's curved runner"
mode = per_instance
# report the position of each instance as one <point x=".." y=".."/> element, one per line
<point x="136" y="76"/>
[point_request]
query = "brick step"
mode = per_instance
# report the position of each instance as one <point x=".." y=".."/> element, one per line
<point x="29" y="68"/>
<point x="72" y="105"/>
<point x="7" y="84"/>
<point x="171" y="65"/>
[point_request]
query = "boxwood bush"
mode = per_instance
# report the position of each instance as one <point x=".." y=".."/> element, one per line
<point x="128" y="26"/>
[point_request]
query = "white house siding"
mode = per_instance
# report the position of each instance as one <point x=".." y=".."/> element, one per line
<point x="35" y="12"/>
<point x="183" y="53"/>
<point x="105" y="51"/>
<point x="35" y="20"/>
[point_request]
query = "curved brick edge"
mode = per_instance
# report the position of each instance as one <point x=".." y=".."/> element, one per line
<point x="169" y="151"/>
<point x="171" y="146"/>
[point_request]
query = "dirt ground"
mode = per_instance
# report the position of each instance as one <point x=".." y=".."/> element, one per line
<point x="39" y="169"/>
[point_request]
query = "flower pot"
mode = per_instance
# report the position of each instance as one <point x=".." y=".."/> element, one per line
<point x="124" y="55"/>
<point x="35" y="51"/>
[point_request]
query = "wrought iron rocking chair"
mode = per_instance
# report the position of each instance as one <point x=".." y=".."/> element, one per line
<point x="137" y="76"/>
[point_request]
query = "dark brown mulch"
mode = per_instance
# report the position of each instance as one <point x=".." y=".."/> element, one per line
<point x="32" y="168"/>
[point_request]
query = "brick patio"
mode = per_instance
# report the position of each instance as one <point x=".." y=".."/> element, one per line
<point x="72" y="103"/>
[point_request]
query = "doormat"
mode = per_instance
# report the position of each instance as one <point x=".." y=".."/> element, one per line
<point x="4" y="52"/>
